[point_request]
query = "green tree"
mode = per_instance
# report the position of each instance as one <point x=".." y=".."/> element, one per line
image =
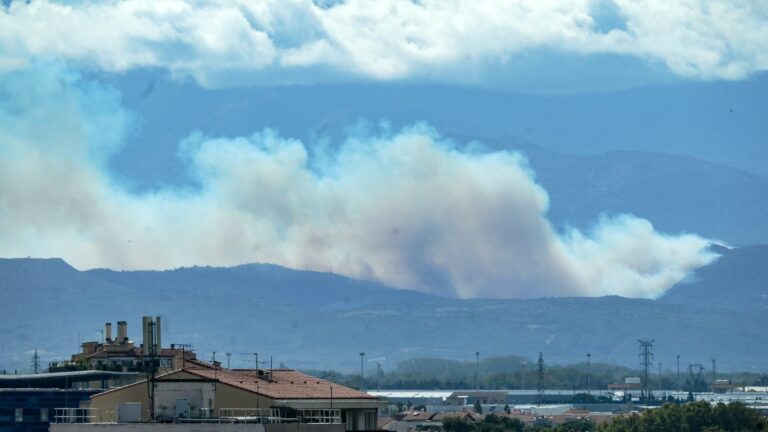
<point x="455" y="424"/>
<point x="478" y="407"/>
<point x="494" y="423"/>
<point x="691" y="417"/>
<point x="581" y="425"/>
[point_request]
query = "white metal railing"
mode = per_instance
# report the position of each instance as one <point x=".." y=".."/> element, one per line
<point x="74" y="415"/>
<point x="249" y="415"/>
<point x="320" y="416"/>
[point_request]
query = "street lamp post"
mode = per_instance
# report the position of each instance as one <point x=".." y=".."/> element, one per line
<point x="589" y="357"/>
<point x="477" y="374"/>
<point x="362" y="371"/>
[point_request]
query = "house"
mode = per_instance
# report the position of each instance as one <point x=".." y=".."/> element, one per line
<point x="203" y="391"/>
<point x="424" y="420"/>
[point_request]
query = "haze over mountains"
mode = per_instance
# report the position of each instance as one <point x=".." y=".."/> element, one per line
<point x="320" y="320"/>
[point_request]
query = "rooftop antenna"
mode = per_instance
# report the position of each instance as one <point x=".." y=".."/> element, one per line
<point x="151" y="348"/>
<point x="646" y="362"/>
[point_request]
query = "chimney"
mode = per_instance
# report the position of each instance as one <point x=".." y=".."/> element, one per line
<point x="108" y="332"/>
<point x="122" y="332"/>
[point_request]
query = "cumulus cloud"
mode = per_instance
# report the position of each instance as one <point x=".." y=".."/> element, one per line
<point x="446" y="40"/>
<point x="405" y="207"/>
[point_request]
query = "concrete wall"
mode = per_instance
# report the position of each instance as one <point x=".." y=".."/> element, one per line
<point x="106" y="403"/>
<point x="199" y="394"/>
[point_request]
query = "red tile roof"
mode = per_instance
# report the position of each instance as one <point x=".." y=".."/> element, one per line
<point x="283" y="384"/>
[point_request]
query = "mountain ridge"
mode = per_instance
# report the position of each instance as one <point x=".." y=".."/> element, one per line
<point x="319" y="320"/>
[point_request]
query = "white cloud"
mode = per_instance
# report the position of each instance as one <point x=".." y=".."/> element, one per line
<point x="407" y="208"/>
<point x="382" y="39"/>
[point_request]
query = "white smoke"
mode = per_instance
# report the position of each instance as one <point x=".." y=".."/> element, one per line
<point x="408" y="208"/>
<point x="382" y="39"/>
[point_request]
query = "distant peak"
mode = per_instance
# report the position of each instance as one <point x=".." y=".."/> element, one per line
<point x="56" y="263"/>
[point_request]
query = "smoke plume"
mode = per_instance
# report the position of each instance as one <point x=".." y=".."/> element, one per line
<point x="407" y="207"/>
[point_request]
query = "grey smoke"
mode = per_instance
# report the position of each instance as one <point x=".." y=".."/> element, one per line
<point x="407" y="208"/>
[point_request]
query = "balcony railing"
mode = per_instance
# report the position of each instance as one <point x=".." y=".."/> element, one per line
<point x="74" y="415"/>
<point x="320" y="416"/>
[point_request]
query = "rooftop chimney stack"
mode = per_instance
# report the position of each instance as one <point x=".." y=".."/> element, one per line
<point x="108" y="332"/>
<point x="122" y="332"/>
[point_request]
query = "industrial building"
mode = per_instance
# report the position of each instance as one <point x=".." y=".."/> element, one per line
<point x="121" y="353"/>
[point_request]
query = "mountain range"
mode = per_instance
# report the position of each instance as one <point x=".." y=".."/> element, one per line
<point x="316" y="320"/>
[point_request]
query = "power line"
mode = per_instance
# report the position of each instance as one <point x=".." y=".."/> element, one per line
<point x="35" y="362"/>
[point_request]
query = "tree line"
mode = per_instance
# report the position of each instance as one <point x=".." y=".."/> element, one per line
<point x="691" y="417"/>
<point x="515" y="372"/>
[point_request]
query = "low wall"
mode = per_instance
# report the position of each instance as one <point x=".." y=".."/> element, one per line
<point x="194" y="427"/>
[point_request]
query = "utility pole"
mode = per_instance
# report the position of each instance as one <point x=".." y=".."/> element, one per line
<point x="646" y="362"/>
<point x="362" y="371"/>
<point x="184" y="349"/>
<point x="589" y="357"/>
<point x="660" y="373"/>
<point x="523" y="364"/>
<point x="477" y="374"/>
<point x="214" y="365"/>
<point x="540" y="383"/>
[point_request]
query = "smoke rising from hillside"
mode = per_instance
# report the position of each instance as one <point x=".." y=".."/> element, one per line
<point x="407" y="208"/>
